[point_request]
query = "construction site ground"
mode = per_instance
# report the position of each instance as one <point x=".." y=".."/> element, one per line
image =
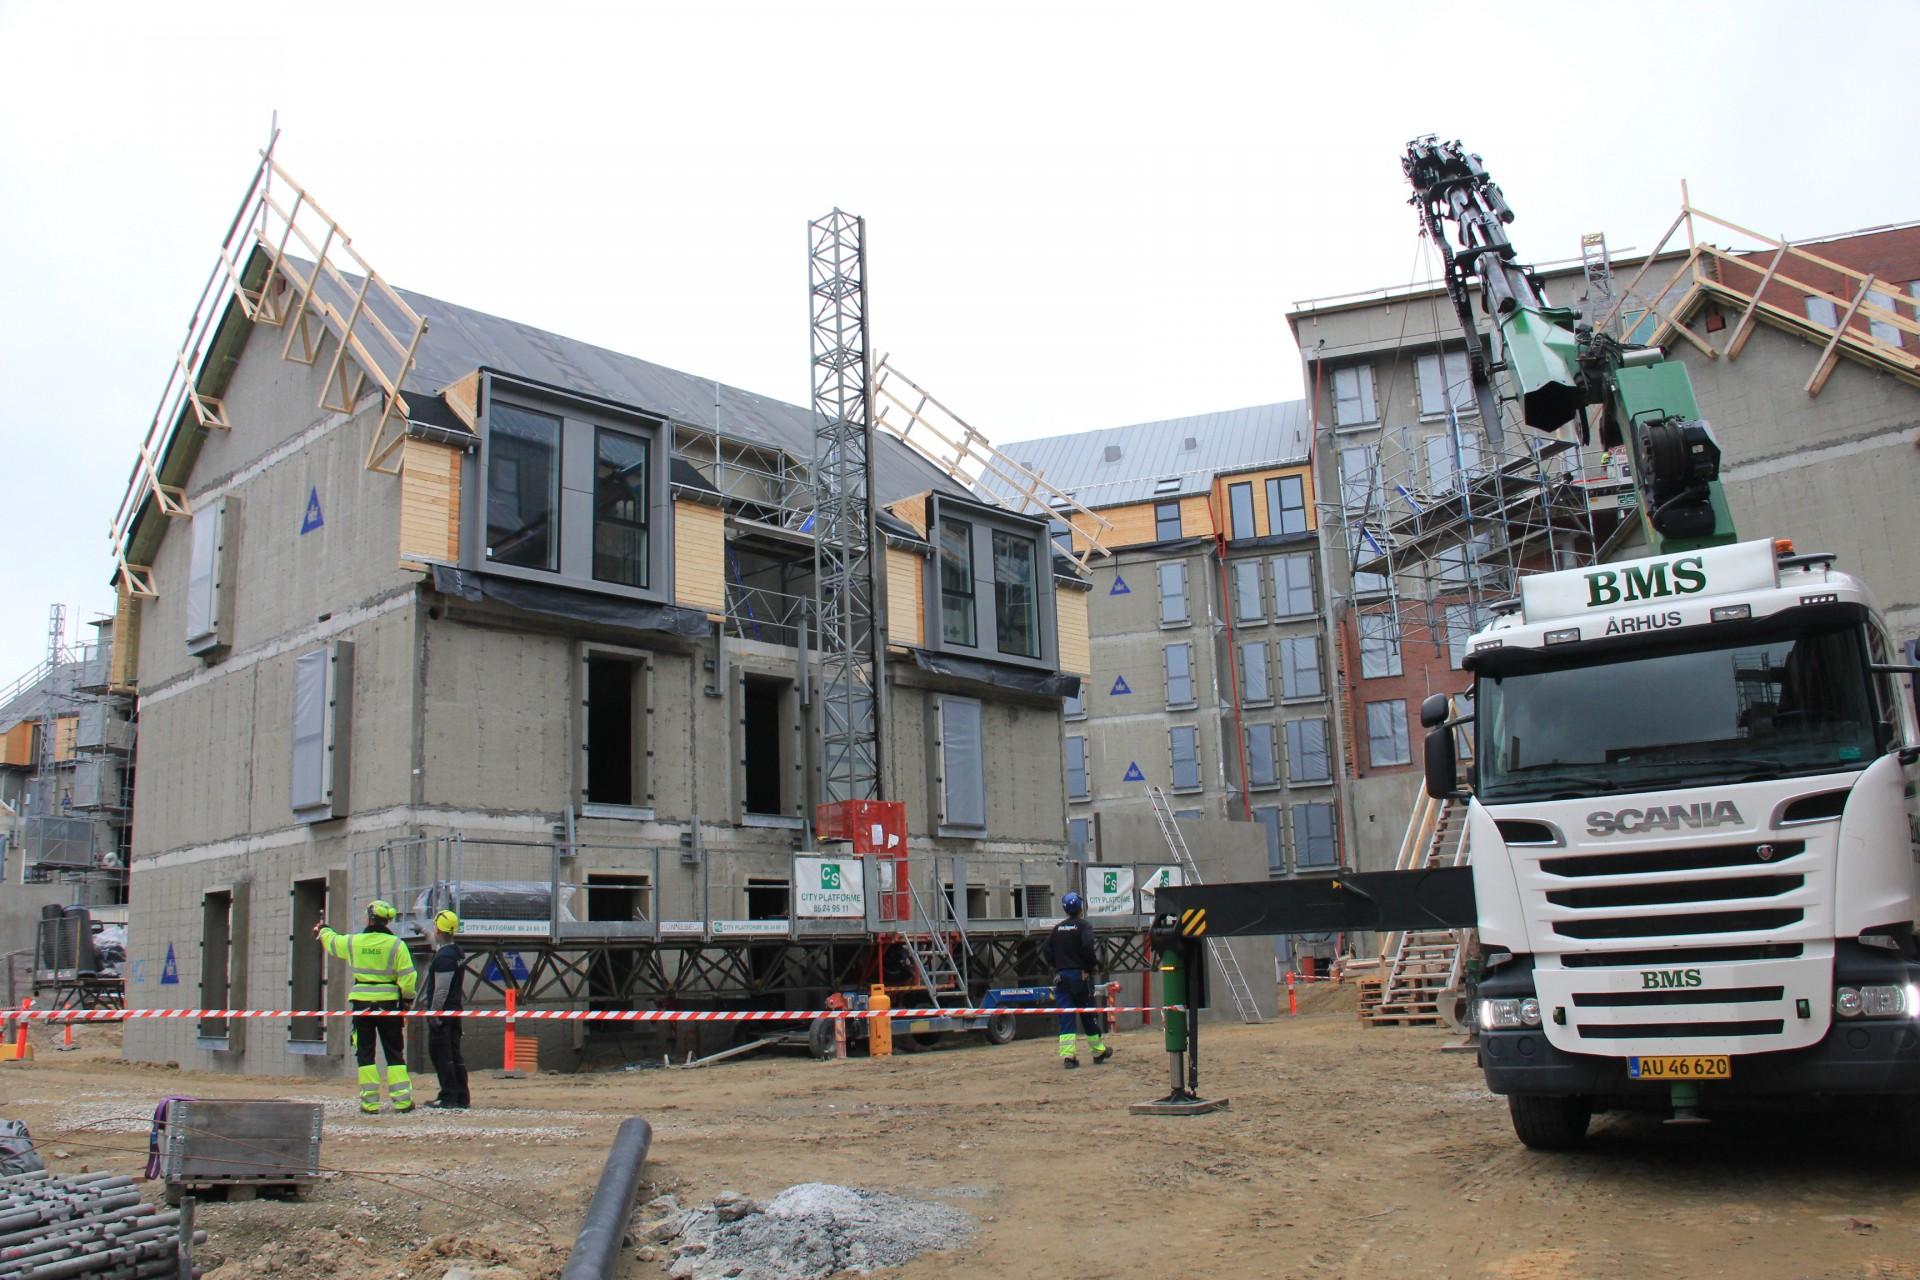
<point x="1348" y="1151"/>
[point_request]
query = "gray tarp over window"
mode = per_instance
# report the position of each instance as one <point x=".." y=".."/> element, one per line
<point x="962" y="766"/>
<point x="309" y="789"/>
<point x="581" y="606"/>
<point x="1019" y="679"/>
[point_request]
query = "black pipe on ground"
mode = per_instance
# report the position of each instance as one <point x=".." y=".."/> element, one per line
<point x="596" y="1250"/>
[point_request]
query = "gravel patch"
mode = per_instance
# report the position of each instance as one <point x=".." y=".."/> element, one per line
<point x="807" y="1232"/>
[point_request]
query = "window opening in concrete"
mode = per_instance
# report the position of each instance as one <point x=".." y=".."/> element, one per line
<point x="1173" y="593"/>
<point x="216" y="960"/>
<point x="1353" y="395"/>
<point x="1307" y="751"/>
<point x="765" y="744"/>
<point x="957" y="622"/>
<point x="615" y="730"/>
<point x="1300" y="670"/>
<point x="1076" y="768"/>
<point x="1254" y="686"/>
<point x="1263" y="766"/>
<point x="523" y="487"/>
<point x="1080" y="837"/>
<point x="1183" y="745"/>
<point x="1286" y="505"/>
<point x="1881" y="329"/>
<point x="1016" y="594"/>
<point x="1444" y="387"/>
<point x="1313" y="844"/>
<point x="1074" y="706"/>
<point x="1166" y="521"/>
<point x="1269" y="819"/>
<point x="1240" y="510"/>
<point x="1247" y="604"/>
<point x="308" y="970"/>
<point x="1387" y="733"/>
<point x="619" y="508"/>
<point x="1359" y="469"/>
<point x="1032" y="901"/>
<point x="962" y="766"/>
<point x="767" y="899"/>
<point x="1179" y="668"/>
<point x="1293" y="586"/>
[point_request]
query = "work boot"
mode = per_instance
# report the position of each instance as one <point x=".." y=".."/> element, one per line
<point x="1106" y="1051"/>
<point x="1070" y="1064"/>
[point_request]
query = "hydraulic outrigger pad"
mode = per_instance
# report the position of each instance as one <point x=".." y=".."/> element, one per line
<point x="1180" y="946"/>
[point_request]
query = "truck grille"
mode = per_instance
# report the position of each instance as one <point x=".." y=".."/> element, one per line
<point x="1680" y="1030"/>
<point x="1671" y="891"/>
<point x="1671" y="956"/>
<point x="1681" y="995"/>
<point x="1693" y="922"/>
<point x="1769" y="853"/>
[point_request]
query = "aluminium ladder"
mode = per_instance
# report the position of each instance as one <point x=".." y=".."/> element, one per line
<point x="1222" y="954"/>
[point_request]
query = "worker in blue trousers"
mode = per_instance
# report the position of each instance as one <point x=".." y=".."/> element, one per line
<point x="1073" y="951"/>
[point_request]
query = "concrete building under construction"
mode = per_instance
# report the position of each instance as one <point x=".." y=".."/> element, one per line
<point x="436" y="607"/>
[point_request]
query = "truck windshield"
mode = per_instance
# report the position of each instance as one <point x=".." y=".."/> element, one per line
<point x="1778" y="701"/>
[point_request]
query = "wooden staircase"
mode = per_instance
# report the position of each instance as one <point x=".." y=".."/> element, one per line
<point x="1420" y="968"/>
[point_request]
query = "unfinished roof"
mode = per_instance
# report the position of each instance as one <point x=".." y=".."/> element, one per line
<point x="1114" y="466"/>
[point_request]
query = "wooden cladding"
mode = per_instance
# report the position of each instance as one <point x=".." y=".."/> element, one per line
<point x="16" y="746"/>
<point x="1076" y="649"/>
<point x="429" y="504"/>
<point x="1137" y="523"/>
<point x="906" y="598"/>
<point x="123" y="666"/>
<point x="700" y="557"/>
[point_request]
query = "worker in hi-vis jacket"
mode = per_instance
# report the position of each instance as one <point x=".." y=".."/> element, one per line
<point x="383" y="981"/>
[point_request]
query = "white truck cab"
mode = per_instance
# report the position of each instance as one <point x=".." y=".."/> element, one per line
<point x="1694" y="839"/>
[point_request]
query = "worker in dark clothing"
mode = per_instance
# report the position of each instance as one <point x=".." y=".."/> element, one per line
<point x="442" y="993"/>
<point x="1072" y="950"/>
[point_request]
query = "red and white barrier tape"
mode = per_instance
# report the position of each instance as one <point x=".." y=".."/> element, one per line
<point x="575" y="1015"/>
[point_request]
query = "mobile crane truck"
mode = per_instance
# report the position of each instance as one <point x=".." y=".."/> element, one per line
<point x="1693" y="836"/>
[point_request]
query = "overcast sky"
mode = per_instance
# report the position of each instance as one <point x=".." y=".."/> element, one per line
<point x="1079" y="215"/>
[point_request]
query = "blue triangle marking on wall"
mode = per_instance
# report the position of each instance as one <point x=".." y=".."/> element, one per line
<point x="1119" y="587"/>
<point x="1134" y="774"/>
<point x="1120" y="688"/>
<point x="170" y="974"/>
<point x="514" y="963"/>
<point x="313" y="519"/>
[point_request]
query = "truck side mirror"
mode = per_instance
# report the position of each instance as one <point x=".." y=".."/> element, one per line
<point x="1433" y="712"/>
<point x="1443" y="770"/>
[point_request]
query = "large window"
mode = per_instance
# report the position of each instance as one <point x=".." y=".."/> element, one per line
<point x="1300" y="668"/>
<point x="1379" y="645"/>
<point x="615" y="703"/>
<point x="1240" y="510"/>
<point x="1353" y="395"/>
<point x="1307" y="751"/>
<point x="1247" y="605"/>
<point x="1359" y="475"/>
<point x="1077" y="768"/>
<point x="619" y="508"/>
<point x="957" y="622"/>
<point x="1166" y="521"/>
<point x="523" y="487"/>
<point x="1450" y="456"/>
<point x="1269" y="820"/>
<point x="1173" y="593"/>
<point x="1263" y="751"/>
<point x="1286" y="505"/>
<point x="1016" y="594"/>
<point x="1179" y="664"/>
<point x="1444" y="386"/>
<point x="961" y="764"/>
<point x="1293" y="586"/>
<point x="1183" y="746"/>
<point x="1313" y="844"/>
<point x="1822" y="311"/>
<point x="1254" y="685"/>
<point x="1387" y="733"/>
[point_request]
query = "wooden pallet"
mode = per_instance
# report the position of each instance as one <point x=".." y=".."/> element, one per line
<point x="239" y="1189"/>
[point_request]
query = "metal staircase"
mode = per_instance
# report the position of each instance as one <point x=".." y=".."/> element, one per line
<point x="935" y="965"/>
<point x="1422" y="965"/>
<point x="1243" y="1001"/>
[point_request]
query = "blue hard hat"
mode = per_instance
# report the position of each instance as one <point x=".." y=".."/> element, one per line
<point x="1072" y="903"/>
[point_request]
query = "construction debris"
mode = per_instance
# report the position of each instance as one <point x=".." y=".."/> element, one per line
<point x="807" y="1232"/>
<point x="92" y="1225"/>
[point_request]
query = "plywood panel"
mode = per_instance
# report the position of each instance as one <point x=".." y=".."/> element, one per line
<point x="463" y="397"/>
<point x="1134" y="525"/>
<point x="123" y="667"/>
<point x="913" y="510"/>
<point x="16" y="745"/>
<point x="1196" y="517"/>
<point x="1076" y="652"/>
<point x="429" y="504"/>
<point x="906" y="598"/>
<point x="66" y="729"/>
<point x="700" y="556"/>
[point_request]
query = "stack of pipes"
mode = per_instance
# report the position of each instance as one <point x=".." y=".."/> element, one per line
<point x="92" y="1225"/>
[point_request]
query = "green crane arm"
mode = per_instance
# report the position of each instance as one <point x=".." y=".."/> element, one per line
<point x="1559" y="366"/>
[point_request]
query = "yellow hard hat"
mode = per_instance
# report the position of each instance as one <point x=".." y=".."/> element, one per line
<point x="447" y="923"/>
<point x="380" y="909"/>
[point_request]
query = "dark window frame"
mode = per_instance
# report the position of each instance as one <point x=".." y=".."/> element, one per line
<point x="1281" y="513"/>
<point x="1161" y="519"/>
<point x="983" y="525"/>
<point x="1236" y="494"/>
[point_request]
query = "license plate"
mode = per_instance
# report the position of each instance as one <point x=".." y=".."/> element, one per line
<point x="1681" y="1066"/>
<point x="921" y="1025"/>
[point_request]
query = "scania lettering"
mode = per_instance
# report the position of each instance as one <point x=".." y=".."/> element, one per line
<point x="1669" y="818"/>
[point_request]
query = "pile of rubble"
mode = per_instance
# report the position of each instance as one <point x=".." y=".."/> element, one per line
<point x="807" y="1232"/>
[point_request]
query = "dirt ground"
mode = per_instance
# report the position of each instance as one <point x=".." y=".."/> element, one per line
<point x="1348" y="1151"/>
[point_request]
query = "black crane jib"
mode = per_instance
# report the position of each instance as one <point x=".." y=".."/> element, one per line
<point x="1435" y="898"/>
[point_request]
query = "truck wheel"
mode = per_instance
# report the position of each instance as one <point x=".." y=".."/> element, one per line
<point x="1548" y="1123"/>
<point x="1000" y="1028"/>
<point x="820" y="1038"/>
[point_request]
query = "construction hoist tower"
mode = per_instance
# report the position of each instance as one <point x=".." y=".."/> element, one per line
<point x="852" y="696"/>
